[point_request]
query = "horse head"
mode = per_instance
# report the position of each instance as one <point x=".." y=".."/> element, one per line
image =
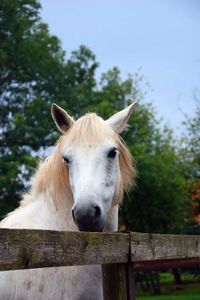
<point x="97" y="162"/>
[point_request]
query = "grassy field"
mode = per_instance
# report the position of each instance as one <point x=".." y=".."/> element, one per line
<point x="173" y="292"/>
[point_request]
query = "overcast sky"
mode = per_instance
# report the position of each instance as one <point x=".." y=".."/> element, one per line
<point x="161" y="36"/>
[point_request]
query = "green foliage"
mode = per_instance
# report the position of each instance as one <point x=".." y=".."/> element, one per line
<point x="33" y="74"/>
<point x="190" y="153"/>
<point x="191" y="143"/>
<point x="159" y="202"/>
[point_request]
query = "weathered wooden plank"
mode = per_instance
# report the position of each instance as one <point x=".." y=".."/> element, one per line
<point x="20" y="249"/>
<point x="161" y="265"/>
<point x="114" y="282"/>
<point x="146" y="247"/>
<point x="26" y="249"/>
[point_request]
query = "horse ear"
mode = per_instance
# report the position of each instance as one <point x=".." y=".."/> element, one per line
<point x="119" y="120"/>
<point x="61" y="118"/>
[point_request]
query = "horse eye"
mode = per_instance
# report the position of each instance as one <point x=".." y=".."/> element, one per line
<point x="112" y="153"/>
<point x="66" y="160"/>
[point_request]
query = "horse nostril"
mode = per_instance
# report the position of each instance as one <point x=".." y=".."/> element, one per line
<point x="73" y="214"/>
<point x="97" y="211"/>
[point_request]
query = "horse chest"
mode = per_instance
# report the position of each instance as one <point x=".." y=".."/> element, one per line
<point x="69" y="283"/>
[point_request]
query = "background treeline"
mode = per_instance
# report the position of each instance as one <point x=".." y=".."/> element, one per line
<point x="35" y="71"/>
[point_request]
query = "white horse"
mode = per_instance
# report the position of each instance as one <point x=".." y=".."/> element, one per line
<point x="78" y="187"/>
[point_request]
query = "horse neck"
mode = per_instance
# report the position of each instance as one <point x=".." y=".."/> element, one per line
<point x="45" y="206"/>
<point x="61" y="213"/>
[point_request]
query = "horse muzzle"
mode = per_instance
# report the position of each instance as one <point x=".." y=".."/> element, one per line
<point x="88" y="218"/>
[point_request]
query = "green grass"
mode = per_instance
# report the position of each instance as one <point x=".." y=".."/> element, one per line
<point x="194" y="295"/>
<point x="184" y="292"/>
<point x="167" y="277"/>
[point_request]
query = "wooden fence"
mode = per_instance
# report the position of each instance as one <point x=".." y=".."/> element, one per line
<point x="120" y="254"/>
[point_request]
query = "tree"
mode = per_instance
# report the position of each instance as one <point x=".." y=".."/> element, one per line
<point x="159" y="201"/>
<point x="33" y="74"/>
<point x="191" y="142"/>
<point x="191" y="157"/>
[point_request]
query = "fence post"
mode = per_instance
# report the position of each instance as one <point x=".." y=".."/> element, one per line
<point x="130" y="281"/>
<point x="118" y="279"/>
<point x="114" y="281"/>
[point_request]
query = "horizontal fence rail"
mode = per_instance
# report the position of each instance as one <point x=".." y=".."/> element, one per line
<point x="145" y="246"/>
<point x="26" y="249"/>
<point x="120" y="254"/>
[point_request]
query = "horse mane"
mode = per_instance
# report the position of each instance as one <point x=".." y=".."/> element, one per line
<point x="52" y="177"/>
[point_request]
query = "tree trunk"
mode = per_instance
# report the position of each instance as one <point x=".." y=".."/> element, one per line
<point x="177" y="276"/>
